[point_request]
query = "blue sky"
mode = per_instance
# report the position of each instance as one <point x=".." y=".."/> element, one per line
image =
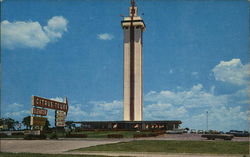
<point x="195" y="59"/>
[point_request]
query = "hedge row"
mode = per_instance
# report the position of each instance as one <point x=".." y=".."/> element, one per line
<point x="145" y="135"/>
<point x="17" y="133"/>
<point x="3" y="135"/>
<point x="13" y="134"/>
<point x="35" y="137"/>
<point x="54" y="136"/>
<point x="100" y="130"/>
<point x="76" y="136"/>
<point x="115" y="136"/>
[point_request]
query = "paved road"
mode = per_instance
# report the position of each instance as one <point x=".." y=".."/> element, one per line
<point x="48" y="146"/>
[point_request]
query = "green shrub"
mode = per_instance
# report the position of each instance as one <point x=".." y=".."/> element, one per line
<point x="35" y="137"/>
<point x="17" y="133"/>
<point x="115" y="136"/>
<point x="152" y="135"/>
<point x="140" y="135"/>
<point x="54" y="136"/>
<point x="145" y="135"/>
<point x="3" y="135"/>
<point x="76" y="136"/>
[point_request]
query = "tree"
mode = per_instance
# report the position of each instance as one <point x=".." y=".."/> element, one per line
<point x="70" y="124"/>
<point x="1" y="121"/>
<point x="11" y="123"/>
<point x="26" y="122"/>
<point x="47" y="124"/>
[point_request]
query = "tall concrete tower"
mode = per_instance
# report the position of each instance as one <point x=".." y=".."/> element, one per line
<point x="133" y="27"/>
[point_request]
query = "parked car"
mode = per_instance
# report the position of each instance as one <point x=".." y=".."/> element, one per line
<point x="212" y="132"/>
<point x="174" y="131"/>
<point x="238" y="133"/>
<point x="193" y="131"/>
<point x="219" y="136"/>
<point x="200" y="131"/>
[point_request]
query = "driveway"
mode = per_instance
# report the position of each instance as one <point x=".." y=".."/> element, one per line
<point x="48" y="146"/>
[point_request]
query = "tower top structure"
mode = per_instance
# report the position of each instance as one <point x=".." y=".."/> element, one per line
<point x="133" y="9"/>
<point x="133" y="19"/>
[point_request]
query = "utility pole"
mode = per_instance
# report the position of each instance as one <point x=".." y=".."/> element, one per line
<point x="207" y="120"/>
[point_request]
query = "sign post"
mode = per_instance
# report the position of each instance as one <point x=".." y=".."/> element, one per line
<point x="39" y="103"/>
<point x="60" y="118"/>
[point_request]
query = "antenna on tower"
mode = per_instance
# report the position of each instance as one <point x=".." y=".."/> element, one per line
<point x="132" y="11"/>
<point x="132" y="3"/>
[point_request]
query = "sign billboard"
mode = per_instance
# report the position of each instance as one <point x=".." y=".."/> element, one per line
<point x="46" y="103"/>
<point x="37" y="121"/>
<point x="60" y="124"/>
<point x="61" y="114"/>
<point x="60" y="118"/>
<point x="39" y="111"/>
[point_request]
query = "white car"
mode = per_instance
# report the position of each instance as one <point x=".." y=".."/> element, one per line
<point x="193" y="131"/>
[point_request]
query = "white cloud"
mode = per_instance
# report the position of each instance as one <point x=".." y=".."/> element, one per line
<point x="233" y="72"/>
<point x="15" y="111"/>
<point x="59" y="99"/>
<point x="161" y="111"/>
<point x="196" y="96"/>
<point x="105" y="36"/>
<point x="29" y="34"/>
<point x="55" y="28"/>
<point x="96" y="110"/>
<point x="195" y="74"/>
<point x="23" y="34"/>
<point x="171" y="71"/>
<point x="225" y="111"/>
<point x="190" y="106"/>
<point x="17" y="114"/>
<point x="16" y="105"/>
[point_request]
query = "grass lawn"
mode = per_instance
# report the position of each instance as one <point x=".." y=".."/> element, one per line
<point x="92" y="134"/>
<point x="44" y="155"/>
<point x="103" y="134"/>
<point x="203" y="147"/>
<point x="14" y="136"/>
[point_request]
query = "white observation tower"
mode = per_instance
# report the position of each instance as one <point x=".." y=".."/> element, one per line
<point x="133" y="28"/>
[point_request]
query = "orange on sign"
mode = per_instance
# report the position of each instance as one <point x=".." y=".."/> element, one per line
<point x="39" y="111"/>
<point x="46" y="103"/>
<point x="37" y="121"/>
